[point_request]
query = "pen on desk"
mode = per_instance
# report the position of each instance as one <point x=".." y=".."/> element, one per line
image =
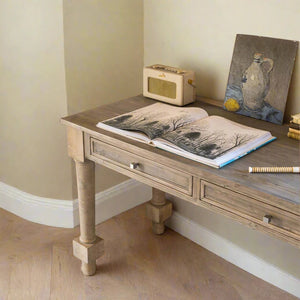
<point x="274" y="169"/>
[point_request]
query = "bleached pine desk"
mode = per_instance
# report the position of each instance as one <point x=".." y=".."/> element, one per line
<point x="265" y="202"/>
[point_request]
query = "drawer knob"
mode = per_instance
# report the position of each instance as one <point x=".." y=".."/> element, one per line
<point x="133" y="165"/>
<point x="267" y="219"/>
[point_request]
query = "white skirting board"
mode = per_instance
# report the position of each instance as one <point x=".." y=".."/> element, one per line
<point x="40" y="210"/>
<point x="126" y="195"/>
<point x="64" y="213"/>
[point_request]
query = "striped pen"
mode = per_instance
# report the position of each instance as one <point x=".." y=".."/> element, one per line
<point x="274" y="169"/>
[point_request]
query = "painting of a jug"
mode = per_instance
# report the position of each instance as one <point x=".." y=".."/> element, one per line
<point x="259" y="77"/>
<point x="256" y="81"/>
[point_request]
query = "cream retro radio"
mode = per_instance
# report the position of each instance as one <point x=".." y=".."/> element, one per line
<point x="169" y="84"/>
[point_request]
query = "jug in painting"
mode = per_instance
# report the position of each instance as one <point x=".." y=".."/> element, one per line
<point x="256" y="81"/>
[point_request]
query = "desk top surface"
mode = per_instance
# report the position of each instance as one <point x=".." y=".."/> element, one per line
<point x="282" y="152"/>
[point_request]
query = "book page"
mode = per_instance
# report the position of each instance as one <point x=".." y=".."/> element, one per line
<point x="135" y="135"/>
<point x="154" y="120"/>
<point x="215" y="138"/>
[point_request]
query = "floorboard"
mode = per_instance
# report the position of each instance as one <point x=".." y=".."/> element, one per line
<point x="36" y="262"/>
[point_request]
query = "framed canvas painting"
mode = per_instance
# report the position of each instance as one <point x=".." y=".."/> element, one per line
<point x="259" y="77"/>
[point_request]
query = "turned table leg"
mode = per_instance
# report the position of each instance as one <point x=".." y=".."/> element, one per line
<point x="87" y="247"/>
<point x="158" y="210"/>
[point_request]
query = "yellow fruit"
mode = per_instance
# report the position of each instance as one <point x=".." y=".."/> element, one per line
<point x="232" y="105"/>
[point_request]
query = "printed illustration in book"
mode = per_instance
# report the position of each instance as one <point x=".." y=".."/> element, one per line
<point x="259" y="77"/>
<point x="189" y="132"/>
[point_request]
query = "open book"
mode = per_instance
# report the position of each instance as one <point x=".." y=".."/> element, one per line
<point x="189" y="132"/>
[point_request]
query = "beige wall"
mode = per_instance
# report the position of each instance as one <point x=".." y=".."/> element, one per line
<point x="33" y="98"/>
<point x="103" y="51"/>
<point x="57" y="58"/>
<point x="104" y="58"/>
<point x="200" y="35"/>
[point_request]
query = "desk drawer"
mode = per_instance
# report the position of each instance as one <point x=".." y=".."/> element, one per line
<point x="165" y="175"/>
<point x="249" y="208"/>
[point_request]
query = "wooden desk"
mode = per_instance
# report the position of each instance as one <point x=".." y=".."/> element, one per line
<point x="231" y="191"/>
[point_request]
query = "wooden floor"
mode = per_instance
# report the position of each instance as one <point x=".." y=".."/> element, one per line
<point x="36" y="262"/>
